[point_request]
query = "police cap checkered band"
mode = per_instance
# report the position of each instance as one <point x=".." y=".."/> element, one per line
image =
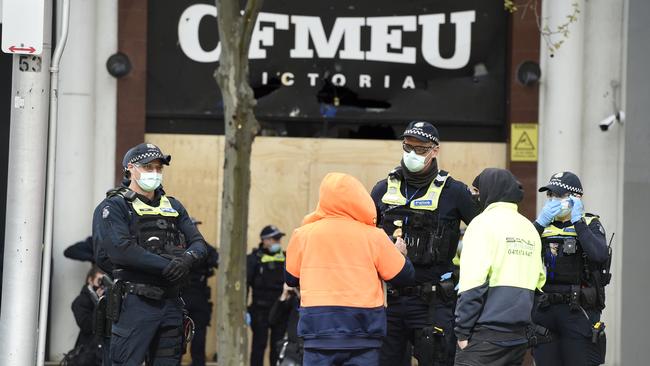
<point x="270" y="231"/>
<point x="423" y="131"/>
<point x="144" y="153"/>
<point x="563" y="183"/>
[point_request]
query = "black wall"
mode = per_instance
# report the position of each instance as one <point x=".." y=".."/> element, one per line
<point x="5" y="112"/>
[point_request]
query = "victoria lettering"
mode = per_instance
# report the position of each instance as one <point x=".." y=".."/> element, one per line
<point x="385" y="38"/>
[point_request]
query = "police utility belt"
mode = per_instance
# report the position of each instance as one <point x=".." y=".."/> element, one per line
<point x="149" y="291"/>
<point x="576" y="298"/>
<point x="443" y="291"/>
<point x="145" y="290"/>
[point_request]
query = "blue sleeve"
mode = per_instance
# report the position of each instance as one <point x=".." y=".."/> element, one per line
<point x="212" y="259"/>
<point x="251" y="267"/>
<point x="593" y="240"/>
<point x="193" y="237"/>
<point x="290" y="280"/>
<point x="118" y="243"/>
<point x="377" y="194"/>
<point x="467" y="208"/>
<point x="405" y="277"/>
<point x="378" y="191"/>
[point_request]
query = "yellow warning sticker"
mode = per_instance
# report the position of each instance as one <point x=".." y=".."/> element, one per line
<point x="523" y="142"/>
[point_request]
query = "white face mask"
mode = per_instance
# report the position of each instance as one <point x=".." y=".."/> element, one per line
<point x="149" y="181"/>
<point x="566" y="205"/>
<point x="414" y="162"/>
<point x="275" y="247"/>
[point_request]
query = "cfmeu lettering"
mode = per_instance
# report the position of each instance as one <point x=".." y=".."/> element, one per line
<point x="362" y="81"/>
<point x="344" y="40"/>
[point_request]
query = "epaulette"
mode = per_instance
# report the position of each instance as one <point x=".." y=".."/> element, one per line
<point x="395" y="173"/>
<point x="124" y="192"/>
<point x="441" y="178"/>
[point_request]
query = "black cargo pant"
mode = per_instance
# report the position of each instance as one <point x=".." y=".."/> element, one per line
<point x="405" y="316"/>
<point x="148" y="329"/>
<point x="260" y="327"/>
<point x="572" y="337"/>
<point x="199" y="309"/>
<point x="484" y="353"/>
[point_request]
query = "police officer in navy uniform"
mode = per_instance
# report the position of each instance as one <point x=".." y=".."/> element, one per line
<point x="424" y="206"/>
<point x="265" y="276"/>
<point x="577" y="258"/>
<point x="138" y="232"/>
<point x="197" y="301"/>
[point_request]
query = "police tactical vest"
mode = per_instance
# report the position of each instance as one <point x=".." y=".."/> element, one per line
<point x="269" y="278"/>
<point x="156" y="228"/>
<point x="565" y="261"/>
<point x="417" y="221"/>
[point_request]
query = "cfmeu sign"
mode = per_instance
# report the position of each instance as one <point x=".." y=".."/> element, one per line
<point x="385" y="37"/>
<point x="22" y="26"/>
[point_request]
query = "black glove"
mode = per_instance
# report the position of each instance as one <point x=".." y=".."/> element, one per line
<point x="178" y="268"/>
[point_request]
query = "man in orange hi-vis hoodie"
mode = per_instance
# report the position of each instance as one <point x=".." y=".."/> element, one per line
<point x="339" y="259"/>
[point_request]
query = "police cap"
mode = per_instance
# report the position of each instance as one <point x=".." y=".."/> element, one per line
<point x="144" y="153"/>
<point x="423" y="131"/>
<point x="563" y="183"/>
<point x="270" y="231"/>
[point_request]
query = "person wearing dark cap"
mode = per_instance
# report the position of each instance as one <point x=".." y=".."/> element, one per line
<point x="423" y="206"/>
<point x="147" y="243"/>
<point x="500" y="269"/>
<point x="265" y="277"/>
<point x="577" y="258"/>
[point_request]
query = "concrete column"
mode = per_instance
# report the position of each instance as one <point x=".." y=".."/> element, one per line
<point x="635" y="271"/>
<point x="560" y="107"/>
<point x="74" y="180"/>
<point x="23" y="242"/>
<point x="105" y="98"/>
<point x="601" y="152"/>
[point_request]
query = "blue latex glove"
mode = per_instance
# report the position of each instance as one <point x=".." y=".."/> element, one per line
<point x="577" y="210"/>
<point x="247" y="318"/>
<point x="549" y="211"/>
<point x="445" y="276"/>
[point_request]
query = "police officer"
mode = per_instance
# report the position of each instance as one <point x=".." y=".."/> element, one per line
<point x="265" y="276"/>
<point x="423" y="205"/>
<point x="576" y="256"/>
<point x="197" y="301"/>
<point x="137" y="230"/>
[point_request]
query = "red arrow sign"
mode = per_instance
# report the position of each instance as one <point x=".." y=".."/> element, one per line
<point x="17" y="49"/>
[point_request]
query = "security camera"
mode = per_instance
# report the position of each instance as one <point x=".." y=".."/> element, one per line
<point x="118" y="65"/>
<point x="607" y="122"/>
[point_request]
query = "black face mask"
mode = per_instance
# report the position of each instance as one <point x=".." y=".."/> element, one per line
<point x="497" y="185"/>
<point x="477" y="202"/>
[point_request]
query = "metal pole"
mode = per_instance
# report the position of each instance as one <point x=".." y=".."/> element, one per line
<point x="25" y="204"/>
<point x="51" y="165"/>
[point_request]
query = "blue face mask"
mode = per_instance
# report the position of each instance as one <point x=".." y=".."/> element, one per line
<point x="275" y="247"/>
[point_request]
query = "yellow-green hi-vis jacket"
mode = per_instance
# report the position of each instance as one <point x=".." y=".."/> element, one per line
<point x="500" y="268"/>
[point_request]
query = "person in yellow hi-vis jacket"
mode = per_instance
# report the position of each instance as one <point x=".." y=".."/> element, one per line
<point x="500" y="268"/>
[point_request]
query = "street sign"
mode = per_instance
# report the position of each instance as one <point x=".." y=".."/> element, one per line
<point x="22" y="26"/>
<point x="523" y="142"/>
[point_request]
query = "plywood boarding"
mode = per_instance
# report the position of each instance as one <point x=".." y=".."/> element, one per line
<point x="286" y="174"/>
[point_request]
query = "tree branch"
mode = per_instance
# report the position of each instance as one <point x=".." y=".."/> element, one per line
<point x="253" y="8"/>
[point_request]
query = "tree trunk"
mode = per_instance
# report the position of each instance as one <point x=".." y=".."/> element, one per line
<point x="241" y="127"/>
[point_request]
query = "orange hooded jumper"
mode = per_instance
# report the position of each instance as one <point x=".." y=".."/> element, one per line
<point x="339" y="259"/>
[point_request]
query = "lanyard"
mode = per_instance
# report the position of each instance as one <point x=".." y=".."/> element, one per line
<point x="409" y="199"/>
